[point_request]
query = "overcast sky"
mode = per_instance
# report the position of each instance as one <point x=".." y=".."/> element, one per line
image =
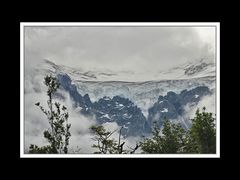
<point x="118" y="48"/>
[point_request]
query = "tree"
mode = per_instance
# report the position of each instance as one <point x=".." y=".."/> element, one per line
<point x="106" y="144"/>
<point x="200" y="138"/>
<point x="171" y="139"/>
<point x="202" y="135"/>
<point x="58" y="134"/>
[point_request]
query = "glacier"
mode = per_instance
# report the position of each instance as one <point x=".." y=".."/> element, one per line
<point x="142" y="92"/>
<point x="126" y="97"/>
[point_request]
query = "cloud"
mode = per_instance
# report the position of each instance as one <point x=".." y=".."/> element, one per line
<point x="208" y="101"/>
<point x="117" y="48"/>
<point x="130" y="142"/>
<point x="81" y="144"/>
<point x="35" y="122"/>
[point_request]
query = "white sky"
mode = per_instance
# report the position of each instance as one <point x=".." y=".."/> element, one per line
<point x="118" y="48"/>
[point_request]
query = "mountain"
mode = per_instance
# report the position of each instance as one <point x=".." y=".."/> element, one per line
<point x="124" y="113"/>
<point x="202" y="67"/>
<point x="117" y="109"/>
<point x="128" y="115"/>
<point x="134" y="103"/>
<point x="199" y="68"/>
<point x="172" y="105"/>
<point x="144" y="93"/>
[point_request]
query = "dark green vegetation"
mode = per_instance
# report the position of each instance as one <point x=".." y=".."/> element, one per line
<point x="199" y="139"/>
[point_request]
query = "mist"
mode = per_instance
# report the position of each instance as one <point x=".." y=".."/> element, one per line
<point x="138" y="49"/>
<point x="35" y="122"/>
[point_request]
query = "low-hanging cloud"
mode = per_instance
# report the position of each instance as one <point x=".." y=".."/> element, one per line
<point x="117" y="48"/>
<point x="35" y="122"/>
<point x="207" y="101"/>
<point x="130" y="141"/>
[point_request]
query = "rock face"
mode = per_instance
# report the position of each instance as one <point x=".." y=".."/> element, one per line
<point x="117" y="109"/>
<point x="172" y="105"/>
<point x="79" y="101"/>
<point x="195" y="69"/>
<point x="126" y="114"/>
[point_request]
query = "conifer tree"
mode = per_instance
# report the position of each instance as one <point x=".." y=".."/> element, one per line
<point x="169" y="140"/>
<point x="202" y="134"/>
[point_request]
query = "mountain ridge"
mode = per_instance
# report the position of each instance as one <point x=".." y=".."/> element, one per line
<point x="133" y="105"/>
<point x="185" y="71"/>
<point x="127" y="114"/>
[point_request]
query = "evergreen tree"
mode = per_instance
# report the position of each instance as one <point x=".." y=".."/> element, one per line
<point x="58" y="134"/>
<point x="169" y="140"/>
<point x="202" y="135"/>
<point x="200" y="138"/>
<point x="173" y="138"/>
<point x="153" y="145"/>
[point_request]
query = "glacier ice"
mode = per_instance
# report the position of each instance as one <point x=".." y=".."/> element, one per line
<point x="142" y="89"/>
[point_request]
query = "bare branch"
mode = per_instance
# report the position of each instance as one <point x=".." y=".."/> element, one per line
<point x="134" y="149"/>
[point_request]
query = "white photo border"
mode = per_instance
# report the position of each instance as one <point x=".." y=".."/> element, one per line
<point x="130" y="24"/>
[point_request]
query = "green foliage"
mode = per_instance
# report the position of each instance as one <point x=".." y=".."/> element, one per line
<point x="200" y="138"/>
<point x="33" y="149"/>
<point x="171" y="141"/>
<point x="106" y="144"/>
<point x="58" y="134"/>
<point x="152" y="145"/>
<point x="202" y="135"/>
<point x="173" y="138"/>
<point x="52" y="84"/>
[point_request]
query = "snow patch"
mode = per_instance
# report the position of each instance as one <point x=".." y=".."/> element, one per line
<point x="106" y="98"/>
<point x="165" y="110"/>
<point x="106" y="116"/>
<point x="125" y="127"/>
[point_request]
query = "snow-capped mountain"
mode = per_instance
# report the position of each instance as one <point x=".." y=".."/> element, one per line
<point x="193" y="69"/>
<point x="127" y="114"/>
<point x="131" y="99"/>
<point x="144" y="93"/>
<point x="202" y="67"/>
